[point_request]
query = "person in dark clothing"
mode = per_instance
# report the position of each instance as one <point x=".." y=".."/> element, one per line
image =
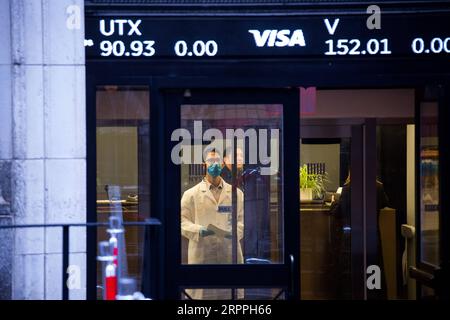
<point x="227" y="170"/>
<point x="341" y="260"/>
<point x="256" y="188"/>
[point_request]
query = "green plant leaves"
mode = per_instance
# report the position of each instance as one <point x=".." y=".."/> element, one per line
<point x="316" y="182"/>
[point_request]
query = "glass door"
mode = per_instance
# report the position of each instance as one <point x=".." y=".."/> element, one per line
<point x="122" y="178"/>
<point x="356" y="161"/>
<point x="432" y="224"/>
<point x="231" y="194"/>
<point x="331" y="208"/>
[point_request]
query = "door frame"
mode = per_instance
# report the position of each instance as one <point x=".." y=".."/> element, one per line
<point x="426" y="274"/>
<point x="354" y="129"/>
<point x="281" y="275"/>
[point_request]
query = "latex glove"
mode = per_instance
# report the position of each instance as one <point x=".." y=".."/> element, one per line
<point x="204" y="232"/>
<point x="220" y="233"/>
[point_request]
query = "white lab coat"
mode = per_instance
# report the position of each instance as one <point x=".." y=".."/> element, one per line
<point x="199" y="208"/>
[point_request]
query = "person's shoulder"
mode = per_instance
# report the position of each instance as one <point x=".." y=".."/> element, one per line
<point x="192" y="190"/>
<point x="228" y="187"/>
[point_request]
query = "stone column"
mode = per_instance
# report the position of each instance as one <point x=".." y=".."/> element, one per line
<point x="6" y="239"/>
<point x="45" y="149"/>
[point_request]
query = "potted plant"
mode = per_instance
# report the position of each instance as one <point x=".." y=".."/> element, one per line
<point x="312" y="186"/>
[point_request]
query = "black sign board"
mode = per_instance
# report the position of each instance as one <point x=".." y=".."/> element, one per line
<point x="327" y="36"/>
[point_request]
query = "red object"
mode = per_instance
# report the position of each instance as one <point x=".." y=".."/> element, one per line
<point x="110" y="282"/>
<point x="111" y="288"/>
<point x="115" y="254"/>
<point x="113" y="243"/>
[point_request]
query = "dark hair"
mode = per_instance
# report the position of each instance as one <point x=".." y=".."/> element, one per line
<point x="210" y="150"/>
<point x="229" y="151"/>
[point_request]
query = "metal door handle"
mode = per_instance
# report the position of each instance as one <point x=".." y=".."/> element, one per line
<point x="291" y="274"/>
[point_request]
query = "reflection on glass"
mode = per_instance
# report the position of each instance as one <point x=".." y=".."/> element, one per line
<point x="429" y="183"/>
<point x="333" y="244"/>
<point x="123" y="158"/>
<point x="391" y="199"/>
<point x="325" y="219"/>
<point x="231" y="209"/>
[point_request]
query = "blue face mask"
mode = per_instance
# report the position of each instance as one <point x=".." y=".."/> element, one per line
<point x="215" y="170"/>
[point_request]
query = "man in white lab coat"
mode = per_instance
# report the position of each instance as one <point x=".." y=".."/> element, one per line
<point x="206" y="221"/>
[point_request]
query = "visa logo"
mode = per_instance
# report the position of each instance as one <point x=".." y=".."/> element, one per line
<point x="278" y="38"/>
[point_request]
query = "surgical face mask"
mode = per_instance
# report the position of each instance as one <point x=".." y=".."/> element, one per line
<point x="215" y="170"/>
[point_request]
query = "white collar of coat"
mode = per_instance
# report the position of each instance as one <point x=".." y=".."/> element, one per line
<point x="205" y="185"/>
<point x="209" y="184"/>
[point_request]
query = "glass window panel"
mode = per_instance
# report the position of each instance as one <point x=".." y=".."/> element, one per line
<point x="325" y="218"/>
<point x="123" y="167"/>
<point x="394" y="149"/>
<point x="210" y="206"/>
<point x="332" y="246"/>
<point x="429" y="183"/>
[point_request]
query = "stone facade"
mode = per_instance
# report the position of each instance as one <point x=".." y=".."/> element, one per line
<point x="42" y="144"/>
